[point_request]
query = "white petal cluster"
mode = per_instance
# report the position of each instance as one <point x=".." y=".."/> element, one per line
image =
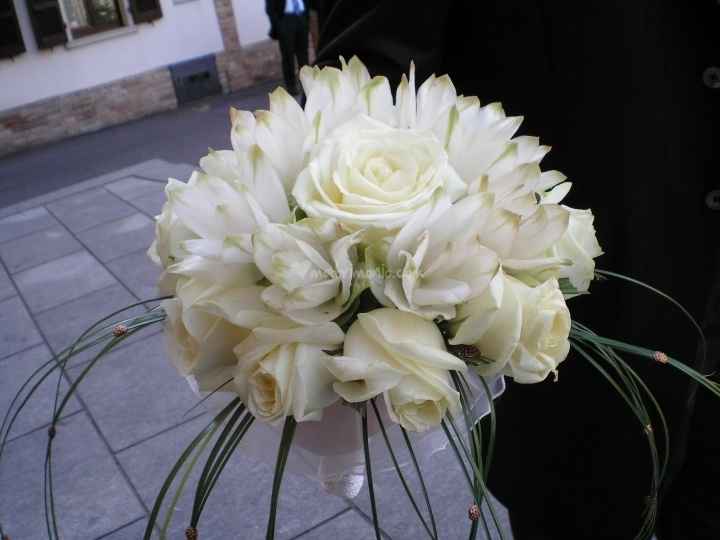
<point x="318" y="259"/>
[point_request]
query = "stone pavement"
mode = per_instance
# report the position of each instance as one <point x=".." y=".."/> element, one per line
<point x="69" y="257"/>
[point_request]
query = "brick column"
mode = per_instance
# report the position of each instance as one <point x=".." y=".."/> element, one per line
<point x="231" y="68"/>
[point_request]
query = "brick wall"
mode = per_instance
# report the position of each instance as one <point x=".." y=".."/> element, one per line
<point x="87" y="110"/>
<point x="126" y="99"/>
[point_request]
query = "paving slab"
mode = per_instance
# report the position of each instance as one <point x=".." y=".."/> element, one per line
<point x="135" y="392"/>
<point x="63" y="324"/>
<point x="151" y="204"/>
<point x="89" y="208"/>
<point x="37" y="412"/>
<point x="120" y="237"/>
<point x="134" y="531"/>
<point x="92" y="496"/>
<point x="17" y="330"/>
<point x="67" y="278"/>
<point x="26" y="222"/>
<point x="238" y="506"/>
<point x="138" y="273"/>
<point x="38" y="247"/>
<point x="133" y="187"/>
<point x="349" y="524"/>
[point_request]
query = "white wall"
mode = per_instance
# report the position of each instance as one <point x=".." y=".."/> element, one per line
<point x="251" y="19"/>
<point x="185" y="31"/>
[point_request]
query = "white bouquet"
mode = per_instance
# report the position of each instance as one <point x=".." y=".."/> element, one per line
<point x="367" y="261"/>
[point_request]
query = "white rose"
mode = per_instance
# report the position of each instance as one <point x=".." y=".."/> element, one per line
<point x="282" y="370"/>
<point x="310" y="267"/>
<point x="545" y="331"/>
<point x="519" y="330"/>
<point x="403" y="357"/>
<point x="369" y="174"/>
<point x="200" y="345"/>
<point x="579" y="245"/>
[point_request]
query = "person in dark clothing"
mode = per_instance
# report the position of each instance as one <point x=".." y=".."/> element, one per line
<point x="628" y="95"/>
<point x="289" y="26"/>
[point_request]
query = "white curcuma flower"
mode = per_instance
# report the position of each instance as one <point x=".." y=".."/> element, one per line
<point x="205" y="228"/>
<point x="402" y="357"/>
<point x="369" y="174"/>
<point x="519" y="330"/>
<point x="281" y="370"/>
<point x="580" y="246"/>
<point x="310" y="267"/>
<point x="438" y="260"/>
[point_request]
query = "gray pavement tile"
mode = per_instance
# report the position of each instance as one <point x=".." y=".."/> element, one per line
<point x="17" y="331"/>
<point x="151" y="204"/>
<point x="135" y="392"/>
<point x="134" y="531"/>
<point x="448" y="490"/>
<point x="6" y="287"/>
<point x="54" y="283"/>
<point x="238" y="507"/>
<point x="63" y="324"/>
<point x="347" y="525"/>
<point x="163" y="170"/>
<point x="92" y="495"/>
<point x="37" y="248"/>
<point x="132" y="187"/>
<point x="89" y="208"/>
<point x="20" y="224"/>
<point x="138" y="273"/>
<point x="37" y="412"/>
<point x="119" y="237"/>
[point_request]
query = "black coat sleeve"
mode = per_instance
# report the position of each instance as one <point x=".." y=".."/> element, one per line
<point x="386" y="35"/>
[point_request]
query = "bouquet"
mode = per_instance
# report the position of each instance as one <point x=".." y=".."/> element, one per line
<point x="367" y="267"/>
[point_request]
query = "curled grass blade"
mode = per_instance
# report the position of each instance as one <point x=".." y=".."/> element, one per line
<point x="368" y="472"/>
<point x="205" y="433"/>
<point x="283" y="451"/>
<point x="431" y="534"/>
<point x="419" y="473"/>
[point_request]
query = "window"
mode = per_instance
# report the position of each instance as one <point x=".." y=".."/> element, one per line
<point x="86" y="17"/>
<point x="57" y="21"/>
<point x="11" y="42"/>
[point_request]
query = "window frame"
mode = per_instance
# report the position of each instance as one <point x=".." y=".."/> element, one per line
<point x="126" y="25"/>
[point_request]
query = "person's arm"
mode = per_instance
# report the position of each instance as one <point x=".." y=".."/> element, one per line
<point x="272" y="15"/>
<point x="386" y="35"/>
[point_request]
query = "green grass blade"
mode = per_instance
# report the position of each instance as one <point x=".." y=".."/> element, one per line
<point x="210" y="428"/>
<point x="204" y="476"/>
<point x="283" y="451"/>
<point x="399" y="472"/>
<point x="667" y="297"/>
<point x="420" y="475"/>
<point x="368" y="472"/>
<point x="224" y="457"/>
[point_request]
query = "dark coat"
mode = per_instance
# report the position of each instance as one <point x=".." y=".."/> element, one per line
<point x="275" y="10"/>
<point x="617" y="89"/>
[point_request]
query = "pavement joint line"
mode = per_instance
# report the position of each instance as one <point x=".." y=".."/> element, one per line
<point x="321" y="523"/>
<point x="161" y="432"/>
<point x="7" y="357"/>
<point x="87" y="248"/>
<point x="83" y="406"/>
<point x="26" y="234"/>
<point x="139" y="210"/>
<point x="121" y="527"/>
<point x="367" y="518"/>
<point x="28" y="268"/>
<point x="43" y="427"/>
